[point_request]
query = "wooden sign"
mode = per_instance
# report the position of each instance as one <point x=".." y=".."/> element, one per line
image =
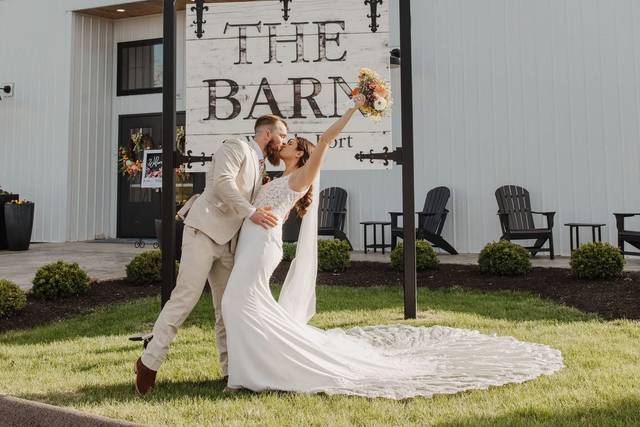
<point x="251" y="62"/>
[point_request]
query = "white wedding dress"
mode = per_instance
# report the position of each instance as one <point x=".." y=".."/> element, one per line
<point x="270" y="347"/>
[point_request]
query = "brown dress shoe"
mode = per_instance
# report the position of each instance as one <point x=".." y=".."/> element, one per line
<point x="145" y="378"/>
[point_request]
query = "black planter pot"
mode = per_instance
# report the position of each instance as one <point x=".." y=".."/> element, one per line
<point x="179" y="231"/>
<point x="19" y="223"/>
<point x="4" y="198"/>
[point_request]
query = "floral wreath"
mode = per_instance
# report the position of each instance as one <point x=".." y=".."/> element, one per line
<point x="130" y="160"/>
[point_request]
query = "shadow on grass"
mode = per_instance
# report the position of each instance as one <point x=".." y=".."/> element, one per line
<point x="138" y="316"/>
<point x="621" y="412"/>
<point x="166" y="391"/>
<point x="497" y="305"/>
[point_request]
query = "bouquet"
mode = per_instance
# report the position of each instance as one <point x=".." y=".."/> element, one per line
<point x="376" y="92"/>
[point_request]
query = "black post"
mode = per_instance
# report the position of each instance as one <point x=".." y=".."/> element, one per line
<point x="408" y="202"/>
<point x="168" y="150"/>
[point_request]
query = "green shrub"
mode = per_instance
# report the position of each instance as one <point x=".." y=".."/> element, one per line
<point x="504" y="259"/>
<point x="333" y="255"/>
<point x="12" y="298"/>
<point x="60" y="279"/>
<point x="288" y="251"/>
<point x="596" y="261"/>
<point x="426" y="258"/>
<point x="146" y="267"/>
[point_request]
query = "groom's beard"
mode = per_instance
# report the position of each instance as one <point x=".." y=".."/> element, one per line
<point x="273" y="155"/>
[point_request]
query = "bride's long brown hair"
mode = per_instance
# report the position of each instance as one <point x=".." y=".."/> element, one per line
<point x="307" y="148"/>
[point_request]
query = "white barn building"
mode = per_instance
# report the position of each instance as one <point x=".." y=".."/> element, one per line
<point x="540" y="93"/>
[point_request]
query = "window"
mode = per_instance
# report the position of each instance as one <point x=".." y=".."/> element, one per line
<point x="140" y="67"/>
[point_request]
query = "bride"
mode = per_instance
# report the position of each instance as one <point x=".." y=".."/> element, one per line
<point x="271" y="346"/>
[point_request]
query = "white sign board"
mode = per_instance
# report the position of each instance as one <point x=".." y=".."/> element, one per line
<point x="151" y="169"/>
<point x="250" y="62"/>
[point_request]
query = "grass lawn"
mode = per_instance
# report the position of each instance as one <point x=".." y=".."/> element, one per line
<point x="87" y="363"/>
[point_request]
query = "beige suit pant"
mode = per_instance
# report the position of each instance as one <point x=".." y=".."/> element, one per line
<point x="202" y="259"/>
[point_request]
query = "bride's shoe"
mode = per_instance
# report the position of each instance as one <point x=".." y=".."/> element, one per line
<point x="232" y="390"/>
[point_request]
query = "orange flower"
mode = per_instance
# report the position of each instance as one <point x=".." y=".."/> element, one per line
<point x="380" y="90"/>
<point x="355" y="91"/>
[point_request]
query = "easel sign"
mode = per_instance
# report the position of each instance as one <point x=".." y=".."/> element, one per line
<point x="251" y="60"/>
<point x="152" y="169"/>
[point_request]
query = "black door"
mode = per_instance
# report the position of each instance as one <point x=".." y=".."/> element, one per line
<point x="139" y="207"/>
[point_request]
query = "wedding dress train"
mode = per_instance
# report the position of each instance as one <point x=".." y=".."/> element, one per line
<point x="271" y="348"/>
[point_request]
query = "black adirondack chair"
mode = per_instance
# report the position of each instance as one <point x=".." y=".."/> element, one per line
<point x="627" y="236"/>
<point x="430" y="220"/>
<point x="291" y="227"/>
<point x="332" y="213"/>
<point x="516" y="219"/>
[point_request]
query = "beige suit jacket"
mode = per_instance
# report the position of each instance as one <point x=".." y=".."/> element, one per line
<point x="233" y="181"/>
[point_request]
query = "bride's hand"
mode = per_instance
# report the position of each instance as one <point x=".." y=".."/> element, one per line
<point x="359" y="100"/>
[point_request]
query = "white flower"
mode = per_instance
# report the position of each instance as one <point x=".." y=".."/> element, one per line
<point x="128" y="163"/>
<point x="380" y="104"/>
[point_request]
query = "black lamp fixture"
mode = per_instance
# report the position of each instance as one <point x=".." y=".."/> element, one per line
<point x="395" y="56"/>
<point x="6" y="90"/>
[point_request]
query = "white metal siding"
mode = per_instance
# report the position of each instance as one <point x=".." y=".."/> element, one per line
<point x="35" y="54"/>
<point x="90" y="127"/>
<point x="34" y="122"/>
<point x="540" y="93"/>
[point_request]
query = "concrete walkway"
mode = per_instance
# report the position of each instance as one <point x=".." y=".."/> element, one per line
<point x="106" y="260"/>
<point x="100" y="260"/>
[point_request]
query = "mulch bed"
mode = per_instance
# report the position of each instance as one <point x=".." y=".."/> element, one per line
<point x="39" y="312"/>
<point x="611" y="299"/>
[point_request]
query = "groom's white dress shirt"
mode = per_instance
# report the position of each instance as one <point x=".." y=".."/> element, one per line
<point x="260" y="165"/>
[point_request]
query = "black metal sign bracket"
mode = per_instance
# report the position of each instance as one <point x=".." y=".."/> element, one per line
<point x="374" y="15"/>
<point x="199" y="8"/>
<point x="285" y="9"/>
<point x="189" y="159"/>
<point x="385" y="156"/>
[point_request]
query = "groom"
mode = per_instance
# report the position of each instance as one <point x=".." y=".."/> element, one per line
<point x="210" y="236"/>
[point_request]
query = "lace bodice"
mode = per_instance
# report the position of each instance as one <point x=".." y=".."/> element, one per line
<point x="278" y="195"/>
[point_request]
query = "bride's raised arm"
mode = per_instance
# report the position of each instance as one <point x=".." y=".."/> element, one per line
<point x="305" y="176"/>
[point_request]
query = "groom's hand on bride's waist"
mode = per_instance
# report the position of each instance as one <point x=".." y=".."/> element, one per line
<point x="264" y="217"/>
